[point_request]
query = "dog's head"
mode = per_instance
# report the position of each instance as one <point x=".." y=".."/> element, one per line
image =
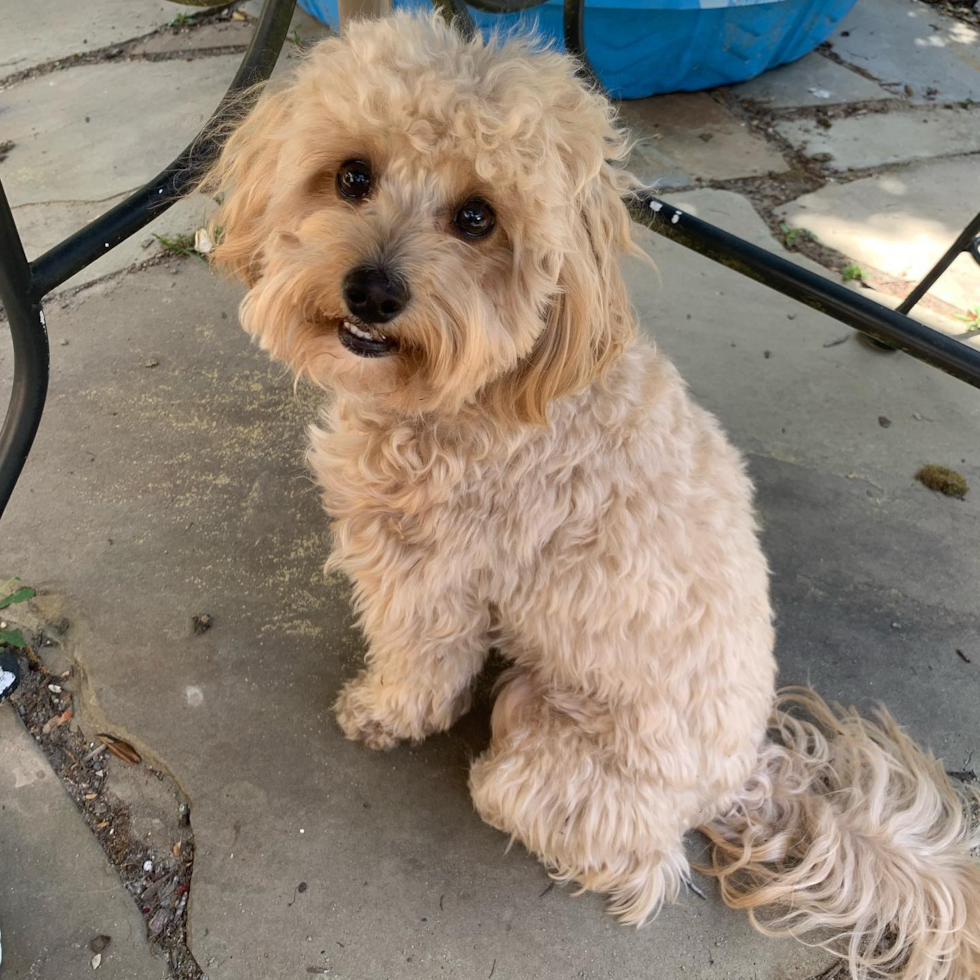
<point x="430" y="222"/>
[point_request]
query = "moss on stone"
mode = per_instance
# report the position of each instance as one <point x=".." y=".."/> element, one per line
<point x="943" y="480"/>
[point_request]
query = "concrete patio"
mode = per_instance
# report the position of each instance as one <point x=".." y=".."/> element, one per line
<point x="168" y="482"/>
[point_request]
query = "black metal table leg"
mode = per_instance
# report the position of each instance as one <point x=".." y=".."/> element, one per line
<point x="968" y="241"/>
<point x="152" y="199"/>
<point x="23" y="285"/>
<point x="832" y="298"/>
<point x="30" y="342"/>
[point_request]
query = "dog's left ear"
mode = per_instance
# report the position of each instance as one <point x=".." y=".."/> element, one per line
<point x="244" y="178"/>
<point x="591" y="320"/>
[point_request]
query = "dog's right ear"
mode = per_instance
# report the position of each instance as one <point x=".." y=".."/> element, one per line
<point x="244" y="180"/>
<point x="591" y="320"/>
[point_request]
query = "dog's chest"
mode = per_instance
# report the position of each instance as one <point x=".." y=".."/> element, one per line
<point x="440" y="499"/>
<point x="401" y="489"/>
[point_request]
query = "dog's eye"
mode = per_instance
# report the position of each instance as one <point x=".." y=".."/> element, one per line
<point x="475" y="218"/>
<point x="354" y="179"/>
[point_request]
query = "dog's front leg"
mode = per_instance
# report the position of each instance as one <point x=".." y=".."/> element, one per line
<point x="424" y="651"/>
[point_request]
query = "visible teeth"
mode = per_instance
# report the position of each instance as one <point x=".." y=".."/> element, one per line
<point x="363" y="334"/>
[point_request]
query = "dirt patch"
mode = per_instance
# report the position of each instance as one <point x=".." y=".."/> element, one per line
<point x="804" y="176"/>
<point x="154" y="856"/>
<point x="966" y="10"/>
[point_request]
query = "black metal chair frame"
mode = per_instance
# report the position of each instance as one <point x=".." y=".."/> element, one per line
<point x="24" y="284"/>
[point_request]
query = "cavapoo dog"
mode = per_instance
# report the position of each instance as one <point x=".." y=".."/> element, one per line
<point x="431" y="227"/>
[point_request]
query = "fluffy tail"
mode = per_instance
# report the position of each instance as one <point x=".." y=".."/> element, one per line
<point x="851" y="831"/>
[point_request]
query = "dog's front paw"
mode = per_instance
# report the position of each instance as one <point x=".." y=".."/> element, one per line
<point x="358" y="716"/>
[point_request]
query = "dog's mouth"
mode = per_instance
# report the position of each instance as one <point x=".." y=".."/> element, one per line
<point x="364" y="339"/>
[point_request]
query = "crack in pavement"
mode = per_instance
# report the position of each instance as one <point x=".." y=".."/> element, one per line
<point x="124" y="51"/>
<point x="118" y="53"/>
<point x="64" y="296"/>
<point x="155" y="870"/>
<point x="97" y="200"/>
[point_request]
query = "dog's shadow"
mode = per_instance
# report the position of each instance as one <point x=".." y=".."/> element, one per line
<point x="473" y="729"/>
<point x="455" y="750"/>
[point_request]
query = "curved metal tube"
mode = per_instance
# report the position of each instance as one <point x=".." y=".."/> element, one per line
<point x="573" y="17"/>
<point x="966" y="241"/>
<point x="504" y="6"/>
<point x="29" y="338"/>
<point x="455" y="12"/>
<point x="892" y="327"/>
<point x="152" y="199"/>
<point x="23" y="285"/>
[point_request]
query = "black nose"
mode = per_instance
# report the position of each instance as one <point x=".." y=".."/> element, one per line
<point x="373" y="296"/>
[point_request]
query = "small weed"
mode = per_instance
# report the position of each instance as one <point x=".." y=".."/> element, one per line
<point x="851" y="272"/>
<point x="971" y="318"/>
<point x="13" y="638"/>
<point x="295" y="38"/>
<point x="178" y="245"/>
<point x="182" y="20"/>
<point x="794" y="235"/>
<point x="8" y="597"/>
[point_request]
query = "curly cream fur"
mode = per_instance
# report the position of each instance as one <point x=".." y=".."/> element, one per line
<point x="524" y="473"/>
<point x="847" y="826"/>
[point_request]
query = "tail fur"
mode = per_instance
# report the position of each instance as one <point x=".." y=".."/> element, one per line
<point x="849" y="830"/>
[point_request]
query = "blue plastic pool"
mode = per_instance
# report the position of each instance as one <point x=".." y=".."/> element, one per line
<point x="642" y="47"/>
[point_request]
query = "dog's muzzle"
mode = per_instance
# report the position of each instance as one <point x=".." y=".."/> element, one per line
<point x="373" y="297"/>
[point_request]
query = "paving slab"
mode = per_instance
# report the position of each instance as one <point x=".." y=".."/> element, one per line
<point x="43" y="225"/>
<point x="908" y="43"/>
<point x="302" y="27"/>
<point x="30" y="37"/>
<point x="657" y="170"/>
<point x="94" y="131"/>
<point x="71" y="158"/>
<point x="875" y="139"/>
<point x="692" y="134"/>
<point x="818" y="395"/>
<point x="814" y="80"/>
<point x="303" y="30"/>
<point x="207" y="37"/>
<point x="735" y="214"/>
<point x="87" y="136"/>
<point x="900" y="222"/>
<point x="57" y="890"/>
